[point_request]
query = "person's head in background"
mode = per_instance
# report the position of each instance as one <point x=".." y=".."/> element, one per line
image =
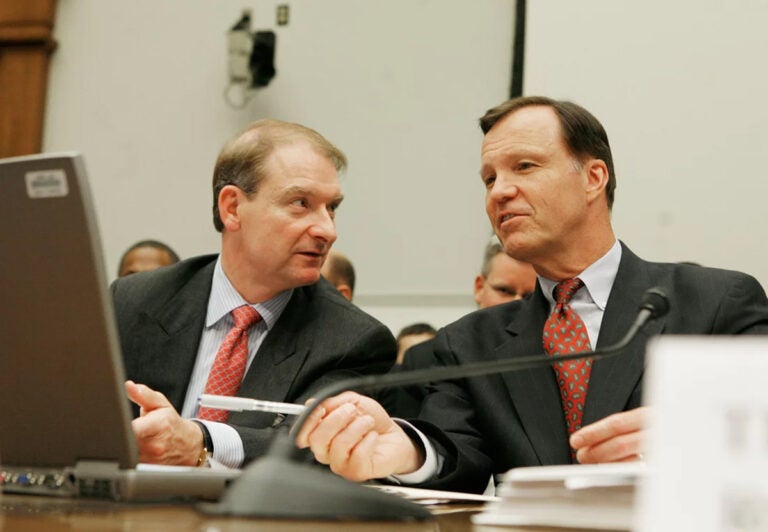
<point x="502" y="278"/>
<point x="338" y="270"/>
<point x="144" y="256"/>
<point x="411" y="335"/>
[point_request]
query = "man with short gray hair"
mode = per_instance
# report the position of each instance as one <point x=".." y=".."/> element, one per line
<point x="255" y="320"/>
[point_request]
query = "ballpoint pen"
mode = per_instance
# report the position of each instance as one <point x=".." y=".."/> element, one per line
<point x="240" y="404"/>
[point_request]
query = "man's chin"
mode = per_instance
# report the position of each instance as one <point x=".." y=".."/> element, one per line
<point x="518" y="248"/>
<point x="307" y="277"/>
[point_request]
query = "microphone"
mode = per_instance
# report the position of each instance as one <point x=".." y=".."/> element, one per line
<point x="279" y="486"/>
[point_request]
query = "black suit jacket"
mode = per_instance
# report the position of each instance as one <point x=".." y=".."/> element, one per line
<point x="405" y="401"/>
<point x="319" y="338"/>
<point x="491" y="424"/>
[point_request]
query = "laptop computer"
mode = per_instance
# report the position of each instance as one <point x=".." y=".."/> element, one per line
<point x="64" y="416"/>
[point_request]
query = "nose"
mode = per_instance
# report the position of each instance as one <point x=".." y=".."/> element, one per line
<point x="504" y="188"/>
<point x="323" y="227"/>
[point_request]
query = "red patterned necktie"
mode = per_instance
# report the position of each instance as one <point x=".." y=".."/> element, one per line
<point x="229" y="366"/>
<point x="565" y="333"/>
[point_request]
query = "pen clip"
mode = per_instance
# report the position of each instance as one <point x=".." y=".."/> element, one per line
<point x="279" y="419"/>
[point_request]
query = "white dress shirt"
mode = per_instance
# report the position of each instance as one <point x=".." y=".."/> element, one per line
<point x="227" y="446"/>
<point x="590" y="304"/>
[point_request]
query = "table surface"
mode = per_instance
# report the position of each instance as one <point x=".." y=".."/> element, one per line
<point x="24" y="513"/>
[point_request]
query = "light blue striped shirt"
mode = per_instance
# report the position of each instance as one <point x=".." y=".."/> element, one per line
<point x="227" y="445"/>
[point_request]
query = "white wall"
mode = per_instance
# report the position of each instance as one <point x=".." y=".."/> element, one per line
<point x="680" y="87"/>
<point x="398" y="85"/>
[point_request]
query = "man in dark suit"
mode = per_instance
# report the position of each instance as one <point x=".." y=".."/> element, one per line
<point x="549" y="178"/>
<point x="275" y="193"/>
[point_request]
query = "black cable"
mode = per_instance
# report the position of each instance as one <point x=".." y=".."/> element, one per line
<point x="518" y="51"/>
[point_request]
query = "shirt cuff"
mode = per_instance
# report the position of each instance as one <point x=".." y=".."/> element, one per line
<point x="227" y="446"/>
<point x="432" y="461"/>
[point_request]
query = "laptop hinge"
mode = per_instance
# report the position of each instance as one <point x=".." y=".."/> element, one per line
<point x="98" y="479"/>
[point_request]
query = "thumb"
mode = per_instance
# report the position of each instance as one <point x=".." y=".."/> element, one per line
<point x="144" y="396"/>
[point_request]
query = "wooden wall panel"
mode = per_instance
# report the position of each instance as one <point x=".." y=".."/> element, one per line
<point x="26" y="43"/>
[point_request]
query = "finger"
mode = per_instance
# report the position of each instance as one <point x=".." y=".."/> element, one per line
<point x="130" y="390"/>
<point x="609" y="427"/>
<point x="302" y="438"/>
<point x="317" y="415"/>
<point x="617" y="449"/>
<point x="144" y="396"/>
<point x="146" y="428"/>
<point x="337" y="400"/>
<point x="346" y="440"/>
<point x="149" y="447"/>
<point x="367" y="406"/>
<point x="360" y="464"/>
<point x="320" y="439"/>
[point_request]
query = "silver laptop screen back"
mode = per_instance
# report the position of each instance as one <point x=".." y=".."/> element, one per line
<point x="61" y="395"/>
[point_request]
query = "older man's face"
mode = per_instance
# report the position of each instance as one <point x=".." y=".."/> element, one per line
<point x="287" y="226"/>
<point x="536" y="191"/>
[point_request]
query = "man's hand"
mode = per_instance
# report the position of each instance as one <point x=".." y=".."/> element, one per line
<point x="616" y="438"/>
<point x="163" y="437"/>
<point x="355" y="436"/>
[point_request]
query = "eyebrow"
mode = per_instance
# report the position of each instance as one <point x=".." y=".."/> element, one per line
<point x="337" y="200"/>
<point x="297" y="190"/>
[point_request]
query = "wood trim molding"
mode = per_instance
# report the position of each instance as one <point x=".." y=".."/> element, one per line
<point x="26" y="44"/>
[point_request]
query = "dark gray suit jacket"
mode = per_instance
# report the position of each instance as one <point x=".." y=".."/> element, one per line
<point x="491" y="424"/>
<point x="319" y="338"/>
<point x="405" y="401"/>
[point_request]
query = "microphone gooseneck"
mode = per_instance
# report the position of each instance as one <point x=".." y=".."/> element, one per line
<point x="655" y="301"/>
<point x="279" y="485"/>
<point x="653" y="305"/>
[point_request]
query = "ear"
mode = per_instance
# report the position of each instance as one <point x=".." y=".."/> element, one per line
<point x="345" y="290"/>
<point x="229" y="199"/>
<point x="479" y="284"/>
<point x="400" y="357"/>
<point x="597" y="178"/>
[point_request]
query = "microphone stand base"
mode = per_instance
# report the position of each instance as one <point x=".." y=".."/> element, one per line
<point x="277" y="487"/>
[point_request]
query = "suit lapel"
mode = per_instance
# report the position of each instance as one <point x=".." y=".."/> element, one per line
<point x="534" y="392"/>
<point x="171" y="335"/>
<point x="282" y="353"/>
<point x="613" y="379"/>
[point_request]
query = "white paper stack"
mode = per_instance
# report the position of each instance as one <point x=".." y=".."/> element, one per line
<point x="428" y="497"/>
<point x="597" y="497"/>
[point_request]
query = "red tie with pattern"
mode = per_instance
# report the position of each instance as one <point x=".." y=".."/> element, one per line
<point x="565" y="333"/>
<point x="229" y="367"/>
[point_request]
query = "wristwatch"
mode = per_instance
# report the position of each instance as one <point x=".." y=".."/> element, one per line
<point x="207" y="452"/>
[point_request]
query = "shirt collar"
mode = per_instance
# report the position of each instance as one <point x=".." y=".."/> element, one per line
<point x="225" y="298"/>
<point x="598" y="278"/>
